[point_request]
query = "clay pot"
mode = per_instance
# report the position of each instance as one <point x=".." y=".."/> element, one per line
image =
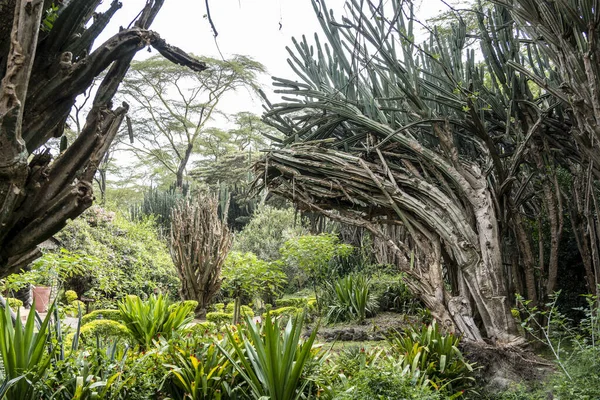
<point x="41" y="297"/>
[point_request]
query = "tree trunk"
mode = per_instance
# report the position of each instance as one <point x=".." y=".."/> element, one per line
<point x="182" y="164"/>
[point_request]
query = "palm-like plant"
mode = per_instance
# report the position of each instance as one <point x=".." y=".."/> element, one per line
<point x="352" y="299"/>
<point x="206" y="375"/>
<point x="273" y="362"/>
<point x="24" y="352"/>
<point x="147" y="320"/>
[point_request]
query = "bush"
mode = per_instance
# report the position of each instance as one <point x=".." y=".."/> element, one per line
<point x="105" y="329"/>
<point x="147" y="320"/>
<point x="244" y="310"/>
<point x="113" y="315"/>
<point x="218" y="307"/>
<point x="200" y="329"/>
<point x="393" y="295"/>
<point x="350" y="298"/>
<point x="219" y="318"/>
<point x="432" y="357"/>
<point x="371" y="384"/>
<point x="71" y="296"/>
<point x="72" y="309"/>
<point x="298" y="302"/>
<point x="131" y="258"/>
<point x="13" y="303"/>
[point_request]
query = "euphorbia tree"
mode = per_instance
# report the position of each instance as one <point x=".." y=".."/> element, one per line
<point x="387" y="132"/>
<point x="46" y="62"/>
<point x="200" y="242"/>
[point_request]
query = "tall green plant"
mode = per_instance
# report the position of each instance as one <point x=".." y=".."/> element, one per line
<point x="273" y="362"/>
<point x="147" y="320"/>
<point x="205" y="374"/>
<point x="351" y="298"/>
<point x="26" y="353"/>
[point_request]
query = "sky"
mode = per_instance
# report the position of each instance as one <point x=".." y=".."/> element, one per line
<point x="260" y="29"/>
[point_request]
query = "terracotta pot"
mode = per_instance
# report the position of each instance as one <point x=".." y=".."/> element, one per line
<point x="41" y="297"/>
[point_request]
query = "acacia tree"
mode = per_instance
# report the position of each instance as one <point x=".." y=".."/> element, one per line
<point x="46" y="61"/>
<point x="174" y="105"/>
<point x="425" y="137"/>
<point x="200" y="242"/>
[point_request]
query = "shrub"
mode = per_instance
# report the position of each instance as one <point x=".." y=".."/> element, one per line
<point x="370" y="384"/>
<point x="147" y="320"/>
<point x="131" y="259"/>
<point x="219" y="307"/>
<point x="71" y="296"/>
<point x="433" y="357"/>
<point x="105" y="329"/>
<point x="72" y="309"/>
<point x="200" y="329"/>
<point x="113" y="315"/>
<point x="298" y="302"/>
<point x="219" y="318"/>
<point x="244" y="310"/>
<point x="393" y="295"/>
<point x="350" y="298"/>
<point x="13" y="303"/>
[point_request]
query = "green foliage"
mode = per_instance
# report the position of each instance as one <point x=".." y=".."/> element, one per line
<point x="13" y="303"/>
<point x="246" y="274"/>
<point x="203" y="374"/>
<point x="273" y="362"/>
<point x="219" y="318"/>
<point x="267" y="231"/>
<point x="52" y="269"/>
<point x="393" y="295"/>
<point x="298" y="302"/>
<point x="377" y="384"/>
<point x="71" y="296"/>
<point x="350" y="299"/>
<point x="113" y="315"/>
<point x="105" y="329"/>
<point x="200" y="329"/>
<point x="314" y="253"/>
<point x="23" y="349"/>
<point x="72" y="309"/>
<point x="245" y="310"/>
<point x="147" y="320"/>
<point x="130" y="257"/>
<point x="430" y="356"/>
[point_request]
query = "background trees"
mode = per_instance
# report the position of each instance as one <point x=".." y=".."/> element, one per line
<point x="173" y="105"/>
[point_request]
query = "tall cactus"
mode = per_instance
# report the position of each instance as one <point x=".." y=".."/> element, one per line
<point x="200" y="242"/>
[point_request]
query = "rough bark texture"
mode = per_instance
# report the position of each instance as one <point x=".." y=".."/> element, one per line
<point x="200" y="242"/>
<point x="42" y="73"/>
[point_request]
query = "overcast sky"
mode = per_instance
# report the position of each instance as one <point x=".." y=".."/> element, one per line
<point x="260" y="29"/>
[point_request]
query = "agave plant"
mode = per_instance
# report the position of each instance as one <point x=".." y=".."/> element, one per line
<point x="25" y="353"/>
<point x="273" y="362"/>
<point x="147" y="320"/>
<point x="351" y="299"/>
